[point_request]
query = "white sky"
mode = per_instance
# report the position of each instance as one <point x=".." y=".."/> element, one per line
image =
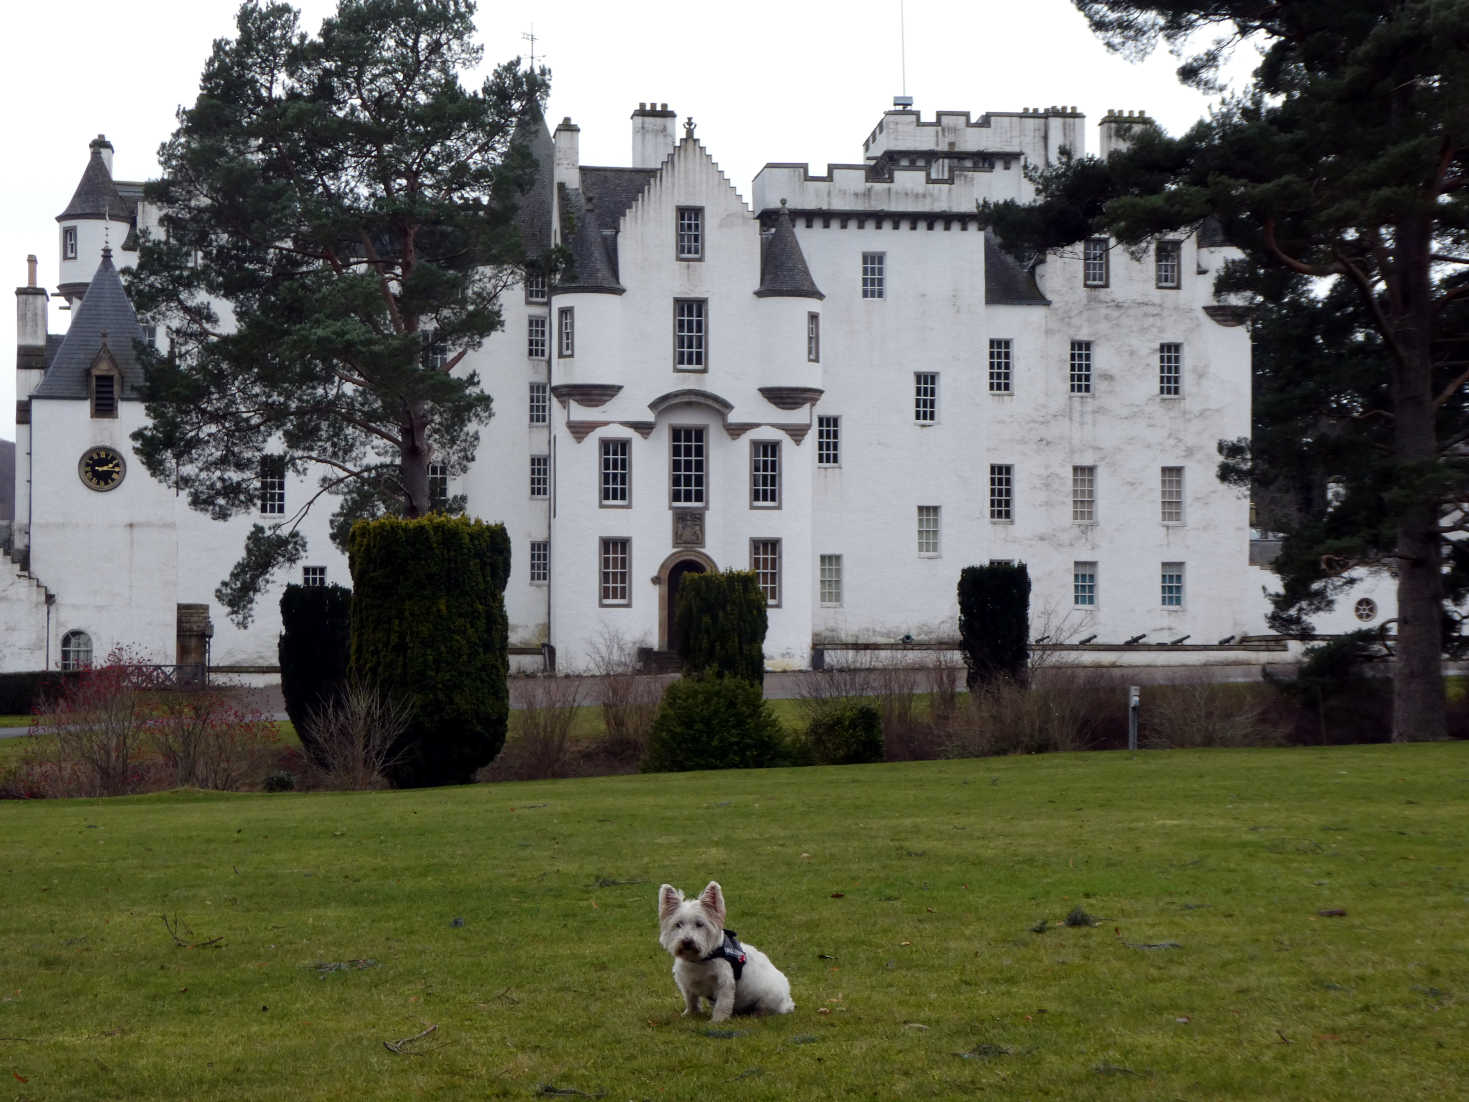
<point x="798" y="81"/>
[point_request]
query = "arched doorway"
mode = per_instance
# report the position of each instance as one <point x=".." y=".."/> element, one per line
<point x="674" y="569"/>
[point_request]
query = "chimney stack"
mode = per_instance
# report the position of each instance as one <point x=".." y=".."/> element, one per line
<point x="653" y="134"/>
<point x="568" y="154"/>
<point x="102" y="146"/>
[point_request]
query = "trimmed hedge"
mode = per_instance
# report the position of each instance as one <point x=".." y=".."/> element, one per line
<point x="708" y="721"/>
<point x="846" y="735"/>
<point x="720" y="624"/>
<point x="20" y="693"/>
<point x="316" y="639"/>
<point x="994" y="621"/>
<point x="429" y="628"/>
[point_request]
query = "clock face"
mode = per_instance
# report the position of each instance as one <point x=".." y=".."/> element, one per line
<point x="101" y="468"/>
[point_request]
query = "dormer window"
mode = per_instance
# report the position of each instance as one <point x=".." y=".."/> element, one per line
<point x="104" y="394"/>
<point x="68" y="243"/>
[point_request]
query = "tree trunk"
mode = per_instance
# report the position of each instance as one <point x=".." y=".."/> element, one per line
<point x="1418" y="690"/>
<point x="414" y="462"/>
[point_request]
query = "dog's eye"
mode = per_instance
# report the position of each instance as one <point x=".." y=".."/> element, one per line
<point x="698" y="923"/>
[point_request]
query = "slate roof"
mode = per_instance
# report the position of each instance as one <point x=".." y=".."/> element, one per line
<point x="534" y="214"/>
<point x="1006" y="283"/>
<point x="783" y="270"/>
<point x="595" y="209"/>
<point x="1211" y="233"/>
<point x="105" y="309"/>
<point x="97" y="196"/>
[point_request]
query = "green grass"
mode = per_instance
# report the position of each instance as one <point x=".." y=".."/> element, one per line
<point x="900" y="900"/>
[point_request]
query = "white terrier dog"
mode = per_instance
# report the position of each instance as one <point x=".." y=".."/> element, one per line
<point x="709" y="961"/>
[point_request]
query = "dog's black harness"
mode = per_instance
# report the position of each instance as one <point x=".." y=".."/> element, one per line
<point x="730" y="950"/>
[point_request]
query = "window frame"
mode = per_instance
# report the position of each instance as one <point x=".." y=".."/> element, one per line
<point x="691" y="345"/>
<point x="1165" y="252"/>
<point x="537" y="287"/>
<point x="925" y="397"/>
<point x="313" y="577"/>
<point x="73" y="654"/>
<point x="829" y="440"/>
<point x="699" y="479"/>
<point x="1171" y="585"/>
<point x="874" y="275"/>
<point x="829" y="581"/>
<point x="438" y="484"/>
<point x="1084" y="568"/>
<point x="435" y="353"/>
<point x="765" y="484"/>
<point x="566" y="332"/>
<point x="538" y="402"/>
<point x="1002" y="493"/>
<point x="1081" y="367"/>
<point x="536" y="336"/>
<point x="1170" y="369"/>
<point x="538" y="562"/>
<point x="765" y="551"/>
<point x="1096" y="262"/>
<point x="1170" y="496"/>
<point x="69" y="250"/>
<point x="540" y="479"/>
<point x="813" y="337"/>
<point x="1002" y="365"/>
<point x="696" y="235"/>
<point x="930" y="535"/>
<point x="1084" y="493"/>
<point x="614" y="571"/>
<point x="605" y="449"/>
<point x="271" y="499"/>
<point x="107" y="411"/>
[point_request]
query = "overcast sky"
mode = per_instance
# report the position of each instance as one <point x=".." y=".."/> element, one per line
<point x="797" y="81"/>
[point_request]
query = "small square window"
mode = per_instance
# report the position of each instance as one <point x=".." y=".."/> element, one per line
<point x="616" y="472"/>
<point x="1094" y="262"/>
<point x="691" y="233"/>
<point x="1170" y="369"/>
<point x="539" y="403"/>
<point x="438" y="485"/>
<point x="1171" y="495"/>
<point x="689" y="334"/>
<point x="1171" y="582"/>
<point x="540" y="476"/>
<point x="614" y="577"/>
<point x="1002" y="492"/>
<point x="535" y="287"/>
<point x="535" y="337"/>
<point x="540" y="562"/>
<point x="764" y="474"/>
<point x="1001" y="365"/>
<point x="928" y="529"/>
<point x="273" y="485"/>
<point x="925" y="397"/>
<point x="831" y="580"/>
<point x="313" y="576"/>
<point x="566" y="332"/>
<point x="874" y="275"/>
<point x="1081" y="367"/>
<point x="1084" y="584"/>
<point x="1083" y="495"/>
<point x="828" y="440"/>
<point x="1168" y="263"/>
<point x="813" y="338"/>
<point x="765" y="562"/>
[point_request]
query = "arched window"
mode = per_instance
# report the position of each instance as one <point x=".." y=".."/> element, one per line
<point x="76" y="650"/>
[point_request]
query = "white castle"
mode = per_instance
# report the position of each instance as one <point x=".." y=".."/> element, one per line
<point x="846" y="386"/>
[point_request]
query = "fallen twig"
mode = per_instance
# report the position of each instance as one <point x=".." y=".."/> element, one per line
<point x="397" y="1046"/>
<point x="175" y="926"/>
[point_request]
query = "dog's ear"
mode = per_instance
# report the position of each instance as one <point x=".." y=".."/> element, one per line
<point x="712" y="899"/>
<point x="669" y="898"/>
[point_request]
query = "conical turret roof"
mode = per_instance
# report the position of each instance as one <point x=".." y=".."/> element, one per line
<point x="96" y="196"/>
<point x="783" y="269"/>
<point x="107" y="315"/>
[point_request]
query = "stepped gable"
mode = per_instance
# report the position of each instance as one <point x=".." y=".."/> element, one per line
<point x="1006" y="283"/>
<point x="104" y="310"/>
<point x="783" y="269"/>
<point x="97" y="196"/>
<point x="534" y="212"/>
<point x="596" y="210"/>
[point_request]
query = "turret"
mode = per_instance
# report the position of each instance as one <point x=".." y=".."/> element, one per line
<point x="96" y="217"/>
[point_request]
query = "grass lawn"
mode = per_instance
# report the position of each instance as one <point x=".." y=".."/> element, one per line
<point x="519" y="921"/>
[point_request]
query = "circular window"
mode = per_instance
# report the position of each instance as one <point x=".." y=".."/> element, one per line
<point x="1366" y="609"/>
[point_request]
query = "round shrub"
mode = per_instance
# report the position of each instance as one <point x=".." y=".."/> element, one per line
<point x="714" y="722"/>
<point x="847" y="735"/>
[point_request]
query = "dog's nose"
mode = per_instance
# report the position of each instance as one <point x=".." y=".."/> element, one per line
<point x="686" y="945"/>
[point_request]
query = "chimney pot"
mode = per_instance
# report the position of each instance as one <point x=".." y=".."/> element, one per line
<point x="31" y="270"/>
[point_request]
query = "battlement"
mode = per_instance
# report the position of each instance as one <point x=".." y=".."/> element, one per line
<point x="1037" y="134"/>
